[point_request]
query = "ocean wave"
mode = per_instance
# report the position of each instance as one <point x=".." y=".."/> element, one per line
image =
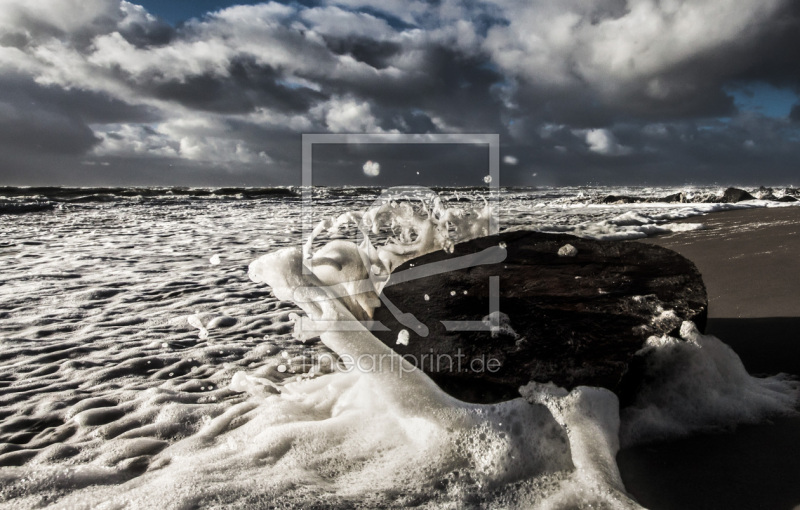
<point x="139" y="366"/>
<point x="13" y="207"/>
<point x="106" y="194"/>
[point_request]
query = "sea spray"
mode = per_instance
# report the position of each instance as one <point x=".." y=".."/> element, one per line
<point x="115" y="338"/>
<point x="696" y="383"/>
<point x="411" y="221"/>
<point x="589" y="416"/>
<point x="411" y="393"/>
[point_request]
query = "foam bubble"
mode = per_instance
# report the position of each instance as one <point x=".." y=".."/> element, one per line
<point x="500" y="324"/>
<point x="372" y="168"/>
<point x="503" y="432"/>
<point x="697" y="383"/>
<point x="403" y="337"/>
<point x="166" y="418"/>
<point x="567" y="251"/>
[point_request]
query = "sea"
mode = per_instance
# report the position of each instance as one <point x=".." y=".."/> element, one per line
<point x="150" y="355"/>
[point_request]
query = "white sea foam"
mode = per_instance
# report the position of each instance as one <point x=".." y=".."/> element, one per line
<point x="500" y="324"/>
<point x="567" y="251"/>
<point x="697" y="383"/>
<point x="113" y="396"/>
<point x="403" y="337"/>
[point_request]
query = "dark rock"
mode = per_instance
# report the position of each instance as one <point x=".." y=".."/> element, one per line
<point x="763" y="193"/>
<point x="698" y="198"/>
<point x="614" y="199"/>
<point x="733" y="195"/>
<point x="787" y="198"/>
<point x="575" y="320"/>
<point x="675" y="197"/>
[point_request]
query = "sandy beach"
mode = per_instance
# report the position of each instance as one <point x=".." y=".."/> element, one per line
<point x="750" y="265"/>
<point x="749" y="261"/>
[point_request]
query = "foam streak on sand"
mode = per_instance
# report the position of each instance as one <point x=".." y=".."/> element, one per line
<point x="117" y="410"/>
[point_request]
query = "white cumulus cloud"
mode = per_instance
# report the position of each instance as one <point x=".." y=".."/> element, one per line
<point x="603" y="141"/>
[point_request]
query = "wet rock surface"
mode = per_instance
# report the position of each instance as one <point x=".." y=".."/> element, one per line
<point x="729" y="196"/>
<point x="734" y="195"/>
<point x="574" y="321"/>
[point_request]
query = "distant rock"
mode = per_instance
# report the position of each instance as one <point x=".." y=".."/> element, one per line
<point x="688" y="198"/>
<point x="571" y="320"/>
<point x="730" y="196"/>
<point x="733" y="195"/>
<point x="763" y="193"/>
<point x="675" y="197"/>
<point x="614" y="199"/>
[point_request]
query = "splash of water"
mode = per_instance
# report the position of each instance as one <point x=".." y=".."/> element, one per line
<point x="382" y="433"/>
<point x="529" y="437"/>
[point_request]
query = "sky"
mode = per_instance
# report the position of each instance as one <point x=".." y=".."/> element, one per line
<point x="210" y="93"/>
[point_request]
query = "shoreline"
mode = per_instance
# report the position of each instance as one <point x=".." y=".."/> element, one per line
<point x="748" y="259"/>
<point x="750" y="263"/>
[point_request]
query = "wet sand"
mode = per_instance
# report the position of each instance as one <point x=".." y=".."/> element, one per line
<point x="750" y="262"/>
<point x="749" y="259"/>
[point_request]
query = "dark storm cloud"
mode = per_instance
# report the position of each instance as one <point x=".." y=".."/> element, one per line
<point x="45" y="131"/>
<point x="456" y="88"/>
<point x="775" y="55"/>
<point x="406" y="121"/>
<point x="89" y="107"/>
<point x="246" y="86"/>
<point x="610" y="65"/>
<point x="608" y="91"/>
<point x="152" y="32"/>
<point x="78" y="23"/>
<point x="53" y="119"/>
<point x="376" y="54"/>
<point x="795" y="113"/>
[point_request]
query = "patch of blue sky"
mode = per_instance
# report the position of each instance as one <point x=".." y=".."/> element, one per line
<point x="298" y="83"/>
<point x="176" y="12"/>
<point x="760" y="97"/>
